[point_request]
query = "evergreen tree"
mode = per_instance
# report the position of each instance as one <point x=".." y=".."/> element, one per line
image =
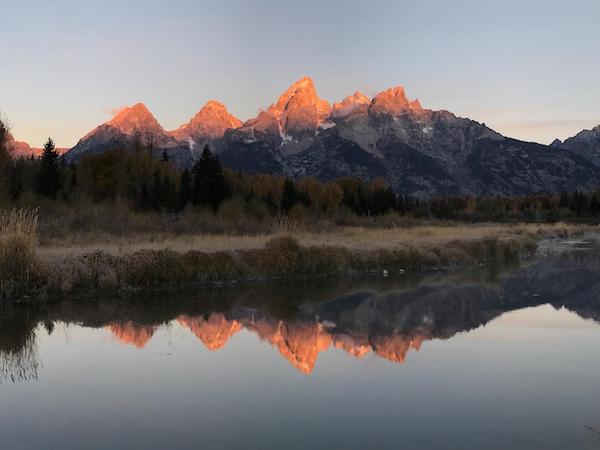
<point x="5" y="158"/>
<point x="165" y="157"/>
<point x="157" y="190"/>
<point x="290" y="196"/>
<point x="170" y="200"/>
<point x="48" y="179"/>
<point x="185" y="191"/>
<point x="382" y="200"/>
<point x="144" y="201"/>
<point x="209" y="187"/>
<point x="15" y="183"/>
<point x="73" y="177"/>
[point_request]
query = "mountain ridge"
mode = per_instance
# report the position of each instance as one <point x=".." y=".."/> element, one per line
<point x="420" y="152"/>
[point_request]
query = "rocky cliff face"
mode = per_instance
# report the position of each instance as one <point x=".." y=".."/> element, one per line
<point x="420" y="152"/>
<point x="585" y="144"/>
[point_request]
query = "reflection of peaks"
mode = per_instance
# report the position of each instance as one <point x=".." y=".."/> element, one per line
<point x="214" y="332"/>
<point x="395" y="348"/>
<point x="350" y="345"/>
<point x="300" y="343"/>
<point x="130" y="333"/>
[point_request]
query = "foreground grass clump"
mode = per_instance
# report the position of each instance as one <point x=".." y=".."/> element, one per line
<point x="281" y="257"/>
<point x="18" y="240"/>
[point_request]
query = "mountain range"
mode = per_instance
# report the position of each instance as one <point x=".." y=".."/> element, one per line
<point x="420" y="152"/>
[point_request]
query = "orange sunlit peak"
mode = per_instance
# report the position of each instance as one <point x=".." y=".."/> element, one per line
<point x="213" y="332"/>
<point x="130" y="333"/>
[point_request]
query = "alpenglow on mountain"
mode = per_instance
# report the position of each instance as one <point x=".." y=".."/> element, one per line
<point x="420" y="152"/>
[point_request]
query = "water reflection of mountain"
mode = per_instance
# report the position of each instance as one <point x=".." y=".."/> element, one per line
<point x="357" y="317"/>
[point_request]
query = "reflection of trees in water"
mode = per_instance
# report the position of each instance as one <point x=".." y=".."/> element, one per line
<point x="389" y="317"/>
<point x="18" y="351"/>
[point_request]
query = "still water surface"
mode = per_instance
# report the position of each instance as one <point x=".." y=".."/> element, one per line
<point x="454" y="361"/>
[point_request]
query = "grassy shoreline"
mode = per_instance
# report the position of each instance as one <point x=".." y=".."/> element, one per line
<point x="129" y="263"/>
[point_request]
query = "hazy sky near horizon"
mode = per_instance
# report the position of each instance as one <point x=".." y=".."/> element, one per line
<point x="529" y="69"/>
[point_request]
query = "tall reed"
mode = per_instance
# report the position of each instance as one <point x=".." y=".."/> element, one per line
<point x="18" y="239"/>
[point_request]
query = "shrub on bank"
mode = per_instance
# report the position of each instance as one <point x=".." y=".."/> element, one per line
<point x="18" y="239"/>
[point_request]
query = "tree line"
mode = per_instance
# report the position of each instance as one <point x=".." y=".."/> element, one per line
<point x="133" y="175"/>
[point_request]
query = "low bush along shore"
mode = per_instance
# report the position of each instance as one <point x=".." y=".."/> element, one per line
<point x="153" y="261"/>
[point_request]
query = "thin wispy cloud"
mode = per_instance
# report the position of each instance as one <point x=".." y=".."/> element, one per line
<point x="113" y="111"/>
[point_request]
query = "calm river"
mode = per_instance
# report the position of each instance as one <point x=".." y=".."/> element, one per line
<point x="445" y="361"/>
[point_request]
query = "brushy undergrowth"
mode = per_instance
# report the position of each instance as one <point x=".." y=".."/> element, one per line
<point x="282" y="257"/>
<point x="18" y="240"/>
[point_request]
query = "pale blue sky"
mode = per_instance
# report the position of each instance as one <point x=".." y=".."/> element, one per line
<point x="529" y="69"/>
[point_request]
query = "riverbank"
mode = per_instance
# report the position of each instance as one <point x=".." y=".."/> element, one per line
<point x="129" y="263"/>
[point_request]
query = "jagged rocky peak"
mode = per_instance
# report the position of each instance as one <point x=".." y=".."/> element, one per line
<point x="297" y="114"/>
<point x="209" y="123"/>
<point x="394" y="102"/>
<point x="136" y="119"/>
<point x="356" y="103"/>
<point x="299" y="110"/>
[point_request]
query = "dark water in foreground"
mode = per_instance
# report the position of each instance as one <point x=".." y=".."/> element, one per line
<point x="458" y="361"/>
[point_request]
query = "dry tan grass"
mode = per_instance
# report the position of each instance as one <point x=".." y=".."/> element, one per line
<point x="18" y="240"/>
<point x="354" y="238"/>
<point x="281" y="257"/>
<point x="134" y="261"/>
